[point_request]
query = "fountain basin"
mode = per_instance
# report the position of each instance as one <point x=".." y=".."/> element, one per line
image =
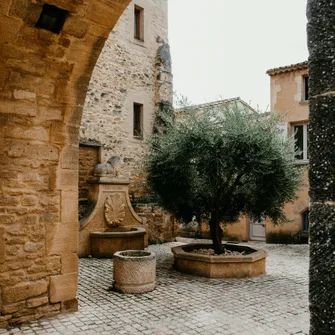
<point x="238" y="266"/>
<point x="105" y="244"/>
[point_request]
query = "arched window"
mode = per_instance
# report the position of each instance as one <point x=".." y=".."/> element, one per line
<point x="305" y="221"/>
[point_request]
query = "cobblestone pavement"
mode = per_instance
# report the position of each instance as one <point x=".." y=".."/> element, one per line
<point x="186" y="305"/>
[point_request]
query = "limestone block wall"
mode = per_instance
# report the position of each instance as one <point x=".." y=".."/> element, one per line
<point x="128" y="71"/>
<point x="44" y="77"/>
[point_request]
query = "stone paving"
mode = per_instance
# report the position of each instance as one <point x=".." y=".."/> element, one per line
<point x="185" y="305"/>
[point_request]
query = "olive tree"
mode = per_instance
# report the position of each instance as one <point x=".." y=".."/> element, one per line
<point x="222" y="163"/>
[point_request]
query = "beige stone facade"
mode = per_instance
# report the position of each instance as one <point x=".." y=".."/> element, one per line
<point x="130" y="72"/>
<point x="44" y="76"/>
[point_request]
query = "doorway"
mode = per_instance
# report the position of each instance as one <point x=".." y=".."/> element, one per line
<point x="257" y="230"/>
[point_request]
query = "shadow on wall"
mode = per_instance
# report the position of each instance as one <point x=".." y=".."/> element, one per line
<point x="287" y="238"/>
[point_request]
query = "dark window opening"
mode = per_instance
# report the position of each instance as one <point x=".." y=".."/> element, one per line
<point x="138" y="120"/>
<point x="52" y="18"/>
<point x="305" y="94"/>
<point x="139" y="23"/>
<point x="300" y="134"/>
<point x="305" y="221"/>
<point x="299" y="141"/>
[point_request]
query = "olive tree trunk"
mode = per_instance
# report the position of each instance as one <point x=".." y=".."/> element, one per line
<point x="216" y="233"/>
<point x="321" y="45"/>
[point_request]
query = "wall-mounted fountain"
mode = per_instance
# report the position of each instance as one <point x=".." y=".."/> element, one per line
<point x="110" y="224"/>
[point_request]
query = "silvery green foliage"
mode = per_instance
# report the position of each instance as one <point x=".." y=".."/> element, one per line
<point x="226" y="161"/>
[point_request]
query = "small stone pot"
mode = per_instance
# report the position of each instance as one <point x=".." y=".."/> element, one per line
<point x="134" y="271"/>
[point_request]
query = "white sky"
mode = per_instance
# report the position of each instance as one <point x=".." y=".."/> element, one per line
<point x="222" y="48"/>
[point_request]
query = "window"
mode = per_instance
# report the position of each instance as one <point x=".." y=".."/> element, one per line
<point x="305" y="221"/>
<point x="52" y="18"/>
<point x="300" y="132"/>
<point x="138" y="120"/>
<point x="305" y="88"/>
<point x="139" y="23"/>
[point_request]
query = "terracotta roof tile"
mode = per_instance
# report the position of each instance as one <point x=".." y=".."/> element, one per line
<point x="288" y="68"/>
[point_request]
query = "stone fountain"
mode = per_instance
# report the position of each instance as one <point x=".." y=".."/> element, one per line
<point x="111" y="224"/>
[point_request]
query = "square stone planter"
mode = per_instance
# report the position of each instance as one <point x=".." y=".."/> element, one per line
<point x="134" y="271"/>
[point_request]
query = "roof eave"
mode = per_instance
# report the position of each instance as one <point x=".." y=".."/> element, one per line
<point x="288" y="68"/>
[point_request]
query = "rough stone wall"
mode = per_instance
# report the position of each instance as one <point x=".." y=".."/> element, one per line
<point x="129" y="71"/>
<point x="43" y="82"/>
<point x="321" y="46"/>
<point x="287" y="101"/>
<point x="162" y="227"/>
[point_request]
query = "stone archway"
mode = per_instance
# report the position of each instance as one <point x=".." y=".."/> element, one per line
<point x="43" y="82"/>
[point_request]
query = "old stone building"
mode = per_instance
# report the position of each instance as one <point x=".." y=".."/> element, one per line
<point x="131" y="78"/>
<point x="48" y="50"/>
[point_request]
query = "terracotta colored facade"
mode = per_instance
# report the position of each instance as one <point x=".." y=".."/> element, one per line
<point x="289" y="99"/>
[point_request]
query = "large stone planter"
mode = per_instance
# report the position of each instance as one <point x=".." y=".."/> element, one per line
<point x="134" y="271"/>
<point x="249" y="265"/>
<point x="105" y="244"/>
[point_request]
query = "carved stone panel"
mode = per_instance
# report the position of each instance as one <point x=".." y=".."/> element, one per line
<point x="114" y="210"/>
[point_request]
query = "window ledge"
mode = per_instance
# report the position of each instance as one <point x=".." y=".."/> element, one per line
<point x="302" y="162"/>
<point x="304" y="102"/>
<point x="138" y="138"/>
<point x="138" y="42"/>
